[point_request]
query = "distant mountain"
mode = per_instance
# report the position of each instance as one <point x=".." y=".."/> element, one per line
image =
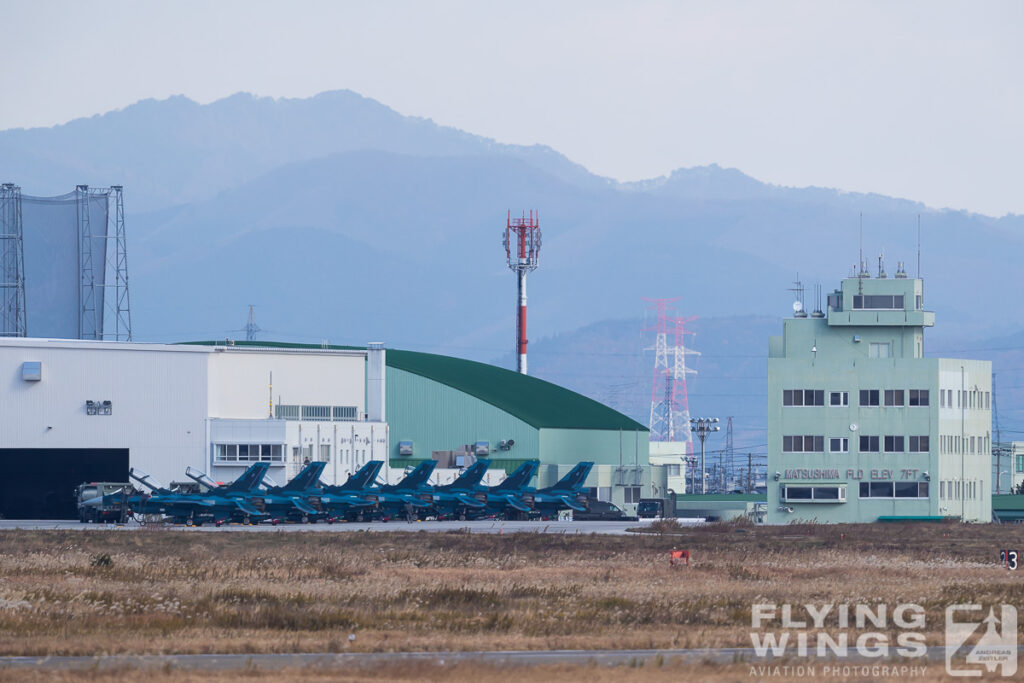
<point x="340" y="218"/>
<point x="176" y="151"/>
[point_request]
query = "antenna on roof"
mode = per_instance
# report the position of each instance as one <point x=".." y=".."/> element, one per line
<point x="860" y="257"/>
<point x="919" y="246"/>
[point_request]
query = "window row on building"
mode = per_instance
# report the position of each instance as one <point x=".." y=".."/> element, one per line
<point x="275" y="453"/>
<point x="317" y="413"/>
<point x="960" y="490"/>
<point x="969" y="399"/>
<point x="894" y="489"/>
<point x="248" y="452"/>
<point x="867" y="444"/>
<point x="869" y="398"/>
<point x="966" y="445"/>
<point x="884" y="302"/>
<point x="836" y="493"/>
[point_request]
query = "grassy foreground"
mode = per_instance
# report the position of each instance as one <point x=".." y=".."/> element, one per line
<point x="176" y="591"/>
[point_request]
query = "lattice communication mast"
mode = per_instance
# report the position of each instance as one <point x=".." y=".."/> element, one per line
<point x="670" y="403"/>
<point x="522" y="249"/>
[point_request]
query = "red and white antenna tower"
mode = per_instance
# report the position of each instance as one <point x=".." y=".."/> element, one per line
<point x="522" y="248"/>
<point x="670" y="403"/>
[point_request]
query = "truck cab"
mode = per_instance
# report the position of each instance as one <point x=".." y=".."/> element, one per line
<point x="650" y="508"/>
<point x="102" y="501"/>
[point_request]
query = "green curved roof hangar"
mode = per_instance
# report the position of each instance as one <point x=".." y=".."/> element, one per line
<point x="536" y="402"/>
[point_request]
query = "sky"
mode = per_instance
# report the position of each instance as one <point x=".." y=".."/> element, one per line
<point x="922" y="100"/>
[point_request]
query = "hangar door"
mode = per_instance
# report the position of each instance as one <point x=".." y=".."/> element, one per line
<point x="38" y="483"/>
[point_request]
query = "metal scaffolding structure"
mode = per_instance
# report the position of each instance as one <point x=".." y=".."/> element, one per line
<point x="670" y="403"/>
<point x="12" y="263"/>
<point x="90" y="324"/>
<point x="111" y="318"/>
<point x="122" y="301"/>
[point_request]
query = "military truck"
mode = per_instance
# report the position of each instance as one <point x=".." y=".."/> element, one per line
<point x="102" y="501"/>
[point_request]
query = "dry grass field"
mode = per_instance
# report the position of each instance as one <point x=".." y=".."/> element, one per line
<point x="667" y="673"/>
<point x="175" y="591"/>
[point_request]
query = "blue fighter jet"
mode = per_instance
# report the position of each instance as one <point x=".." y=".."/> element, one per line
<point x="566" y="493"/>
<point x="355" y="500"/>
<point x="461" y="498"/>
<point x="298" y="500"/>
<point x="412" y="497"/>
<point x="511" y="497"/>
<point x="198" y="508"/>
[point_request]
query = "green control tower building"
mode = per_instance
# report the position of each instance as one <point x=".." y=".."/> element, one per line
<point x="861" y="426"/>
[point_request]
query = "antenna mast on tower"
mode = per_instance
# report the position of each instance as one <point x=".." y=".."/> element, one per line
<point x="522" y="249"/>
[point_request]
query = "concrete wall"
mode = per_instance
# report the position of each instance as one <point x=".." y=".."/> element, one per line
<point x="240" y="380"/>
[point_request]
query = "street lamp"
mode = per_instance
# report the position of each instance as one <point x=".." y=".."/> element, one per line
<point x="703" y="426"/>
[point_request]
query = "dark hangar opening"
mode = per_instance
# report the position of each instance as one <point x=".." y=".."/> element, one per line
<point x="38" y="483"/>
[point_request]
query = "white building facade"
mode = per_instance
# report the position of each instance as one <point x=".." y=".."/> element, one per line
<point x="218" y="408"/>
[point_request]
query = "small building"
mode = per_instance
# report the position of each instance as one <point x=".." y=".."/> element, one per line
<point x="1008" y="466"/>
<point x="861" y="426"/>
<point x="673" y="455"/>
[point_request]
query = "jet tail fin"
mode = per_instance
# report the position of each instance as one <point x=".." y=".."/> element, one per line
<point x="366" y="475"/>
<point x="520" y="477"/>
<point x="470" y="477"/>
<point x="418" y="476"/>
<point x="307" y="478"/>
<point x="250" y="479"/>
<point x="575" y="478"/>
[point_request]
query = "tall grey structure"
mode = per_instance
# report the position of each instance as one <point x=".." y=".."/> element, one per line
<point x="12" y="263"/>
<point x="64" y="265"/>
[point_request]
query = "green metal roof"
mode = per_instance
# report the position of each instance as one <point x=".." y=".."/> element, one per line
<point x="1008" y="502"/>
<point x="913" y="518"/>
<point x="538" y="403"/>
<point x="722" y="497"/>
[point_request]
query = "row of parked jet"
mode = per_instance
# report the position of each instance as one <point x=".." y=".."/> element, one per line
<point x="252" y="498"/>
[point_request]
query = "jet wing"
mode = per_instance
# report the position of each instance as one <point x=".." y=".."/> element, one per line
<point x="303" y="507"/>
<point x="350" y="500"/>
<point x="415" y="502"/>
<point x="248" y="509"/>
<point x="572" y="504"/>
<point x="469" y="501"/>
<point x="514" y="503"/>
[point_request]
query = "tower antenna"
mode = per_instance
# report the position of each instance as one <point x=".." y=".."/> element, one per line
<point x="918" y="246"/>
<point x="251" y="328"/>
<point x="522" y="236"/>
<point x="860" y="257"/>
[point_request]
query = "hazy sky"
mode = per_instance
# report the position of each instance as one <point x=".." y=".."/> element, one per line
<point x="923" y="100"/>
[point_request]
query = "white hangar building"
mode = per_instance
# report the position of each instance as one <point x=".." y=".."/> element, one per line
<point x="75" y="411"/>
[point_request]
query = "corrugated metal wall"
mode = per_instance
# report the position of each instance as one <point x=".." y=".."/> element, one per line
<point x="436" y="417"/>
